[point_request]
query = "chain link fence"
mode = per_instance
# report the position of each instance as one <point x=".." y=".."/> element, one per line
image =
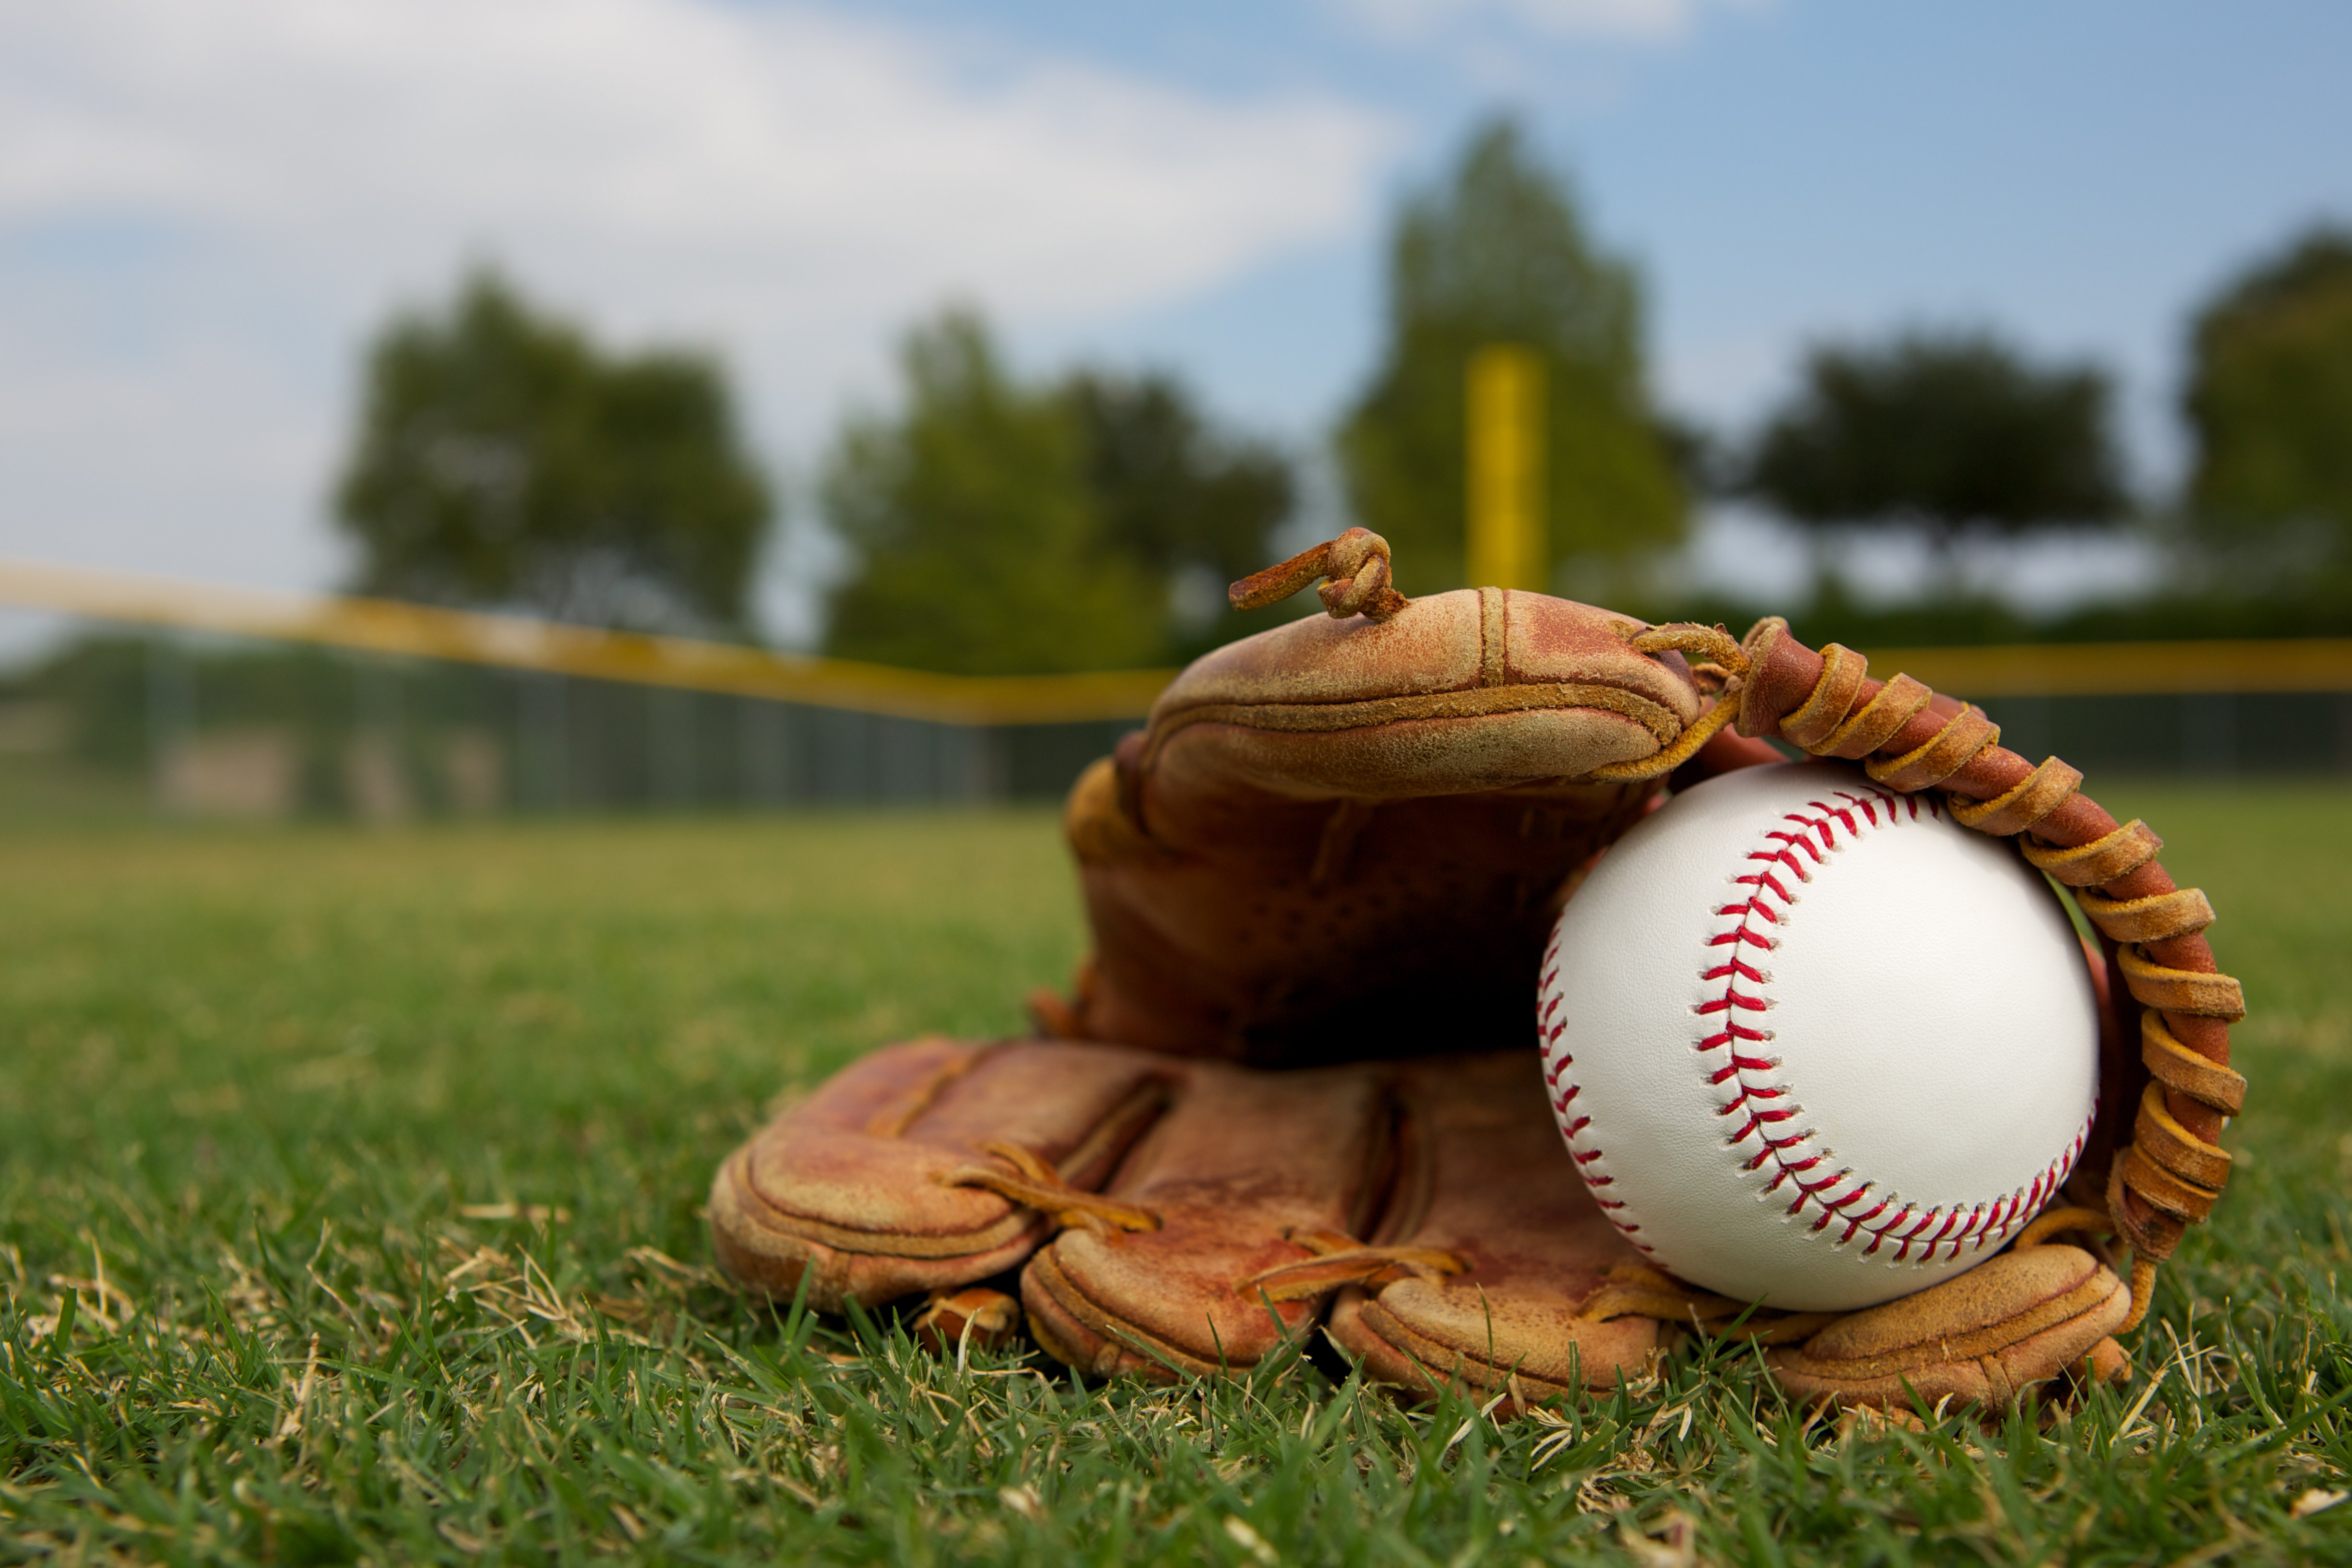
<point x="230" y="731"/>
<point x="234" y="704"/>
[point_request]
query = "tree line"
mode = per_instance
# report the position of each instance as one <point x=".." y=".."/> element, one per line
<point x="996" y="523"/>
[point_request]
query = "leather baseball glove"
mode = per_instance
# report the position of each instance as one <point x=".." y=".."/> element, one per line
<point x="1293" y="1084"/>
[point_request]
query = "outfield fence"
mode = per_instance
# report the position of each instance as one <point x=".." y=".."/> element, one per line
<point x="240" y="702"/>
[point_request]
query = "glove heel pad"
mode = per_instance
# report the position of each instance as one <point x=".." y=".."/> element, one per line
<point x="1985" y="1336"/>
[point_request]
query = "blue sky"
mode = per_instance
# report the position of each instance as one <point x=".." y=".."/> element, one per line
<point x="203" y="212"/>
<point x="2078" y="174"/>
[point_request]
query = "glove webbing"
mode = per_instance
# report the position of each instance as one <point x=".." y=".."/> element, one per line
<point x="1909" y="739"/>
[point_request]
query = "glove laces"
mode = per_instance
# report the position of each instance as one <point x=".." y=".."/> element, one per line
<point x="1033" y="1184"/>
<point x="1340" y="1260"/>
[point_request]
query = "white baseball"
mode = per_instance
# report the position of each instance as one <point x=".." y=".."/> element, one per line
<point x="1812" y="1043"/>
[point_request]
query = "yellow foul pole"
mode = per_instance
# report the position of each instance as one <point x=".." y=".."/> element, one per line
<point x="1509" y="546"/>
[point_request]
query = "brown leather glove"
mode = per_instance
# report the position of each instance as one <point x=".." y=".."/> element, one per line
<point x="886" y="1181"/>
<point x="1346" y="839"/>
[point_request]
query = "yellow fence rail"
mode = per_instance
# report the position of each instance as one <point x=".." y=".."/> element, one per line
<point x="514" y="642"/>
<point x="2125" y="669"/>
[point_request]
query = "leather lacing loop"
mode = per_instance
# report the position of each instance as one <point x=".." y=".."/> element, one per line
<point x="1340" y="1260"/>
<point x="2110" y="858"/>
<point x="1969" y="732"/>
<point x="1724" y="668"/>
<point x="1034" y="1184"/>
<point x="1878" y="720"/>
<point x="2093" y="1222"/>
<point x="2059" y="1221"/>
<point x="2178" y="912"/>
<point x="2036" y="795"/>
<point x="1356" y="563"/>
<point x="2172" y="1172"/>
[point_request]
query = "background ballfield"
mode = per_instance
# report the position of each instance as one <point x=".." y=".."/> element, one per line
<point x="349" y="1191"/>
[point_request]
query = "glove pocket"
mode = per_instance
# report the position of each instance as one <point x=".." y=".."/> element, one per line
<point x="1486" y="1182"/>
<point x="1248" y="1173"/>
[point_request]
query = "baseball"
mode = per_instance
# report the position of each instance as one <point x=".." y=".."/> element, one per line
<point x="1814" y="1043"/>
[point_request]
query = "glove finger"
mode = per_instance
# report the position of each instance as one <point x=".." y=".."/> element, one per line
<point x="1485" y="1178"/>
<point x="1473" y="689"/>
<point x="853" y="1189"/>
<point x="1247" y="1172"/>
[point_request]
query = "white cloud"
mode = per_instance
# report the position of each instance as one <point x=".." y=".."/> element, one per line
<point x="204" y="208"/>
<point x="1641" y="21"/>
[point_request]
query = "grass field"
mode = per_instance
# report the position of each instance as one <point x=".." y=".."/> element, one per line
<point x="348" y="1211"/>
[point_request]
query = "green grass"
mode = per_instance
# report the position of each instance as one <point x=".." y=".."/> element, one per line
<point x="348" y="1210"/>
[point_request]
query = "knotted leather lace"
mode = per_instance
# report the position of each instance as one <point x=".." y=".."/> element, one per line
<point x="1356" y="563"/>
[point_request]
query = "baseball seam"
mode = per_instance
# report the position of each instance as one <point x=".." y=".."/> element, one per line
<point x="1735" y="1054"/>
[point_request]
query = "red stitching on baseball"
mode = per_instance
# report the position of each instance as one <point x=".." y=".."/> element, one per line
<point x="1978" y="1226"/>
<point x="1982" y="1223"/>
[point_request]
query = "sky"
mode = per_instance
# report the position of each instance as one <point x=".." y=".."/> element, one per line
<point x="207" y="210"/>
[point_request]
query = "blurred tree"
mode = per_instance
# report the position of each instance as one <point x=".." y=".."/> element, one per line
<point x="1194" y="508"/>
<point x="2270" y="403"/>
<point x="997" y="528"/>
<point x="979" y="544"/>
<point x="1952" y="434"/>
<point x="1499" y="255"/>
<point x="502" y="459"/>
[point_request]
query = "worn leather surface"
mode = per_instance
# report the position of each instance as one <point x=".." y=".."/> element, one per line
<point x="863" y="1189"/>
<point x="2010" y="1322"/>
<point x="1479" y="689"/>
<point x="850" y="1188"/>
<point x="1341" y="840"/>
<point x="1484" y="1176"/>
<point x="1241" y="1164"/>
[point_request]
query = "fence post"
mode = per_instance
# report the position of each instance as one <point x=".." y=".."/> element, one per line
<point x="2209" y="733"/>
<point x="171" y="716"/>
<point x="374" y="772"/>
<point x="542" y="741"/>
<point x="763" y="754"/>
<point x="674" y="769"/>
